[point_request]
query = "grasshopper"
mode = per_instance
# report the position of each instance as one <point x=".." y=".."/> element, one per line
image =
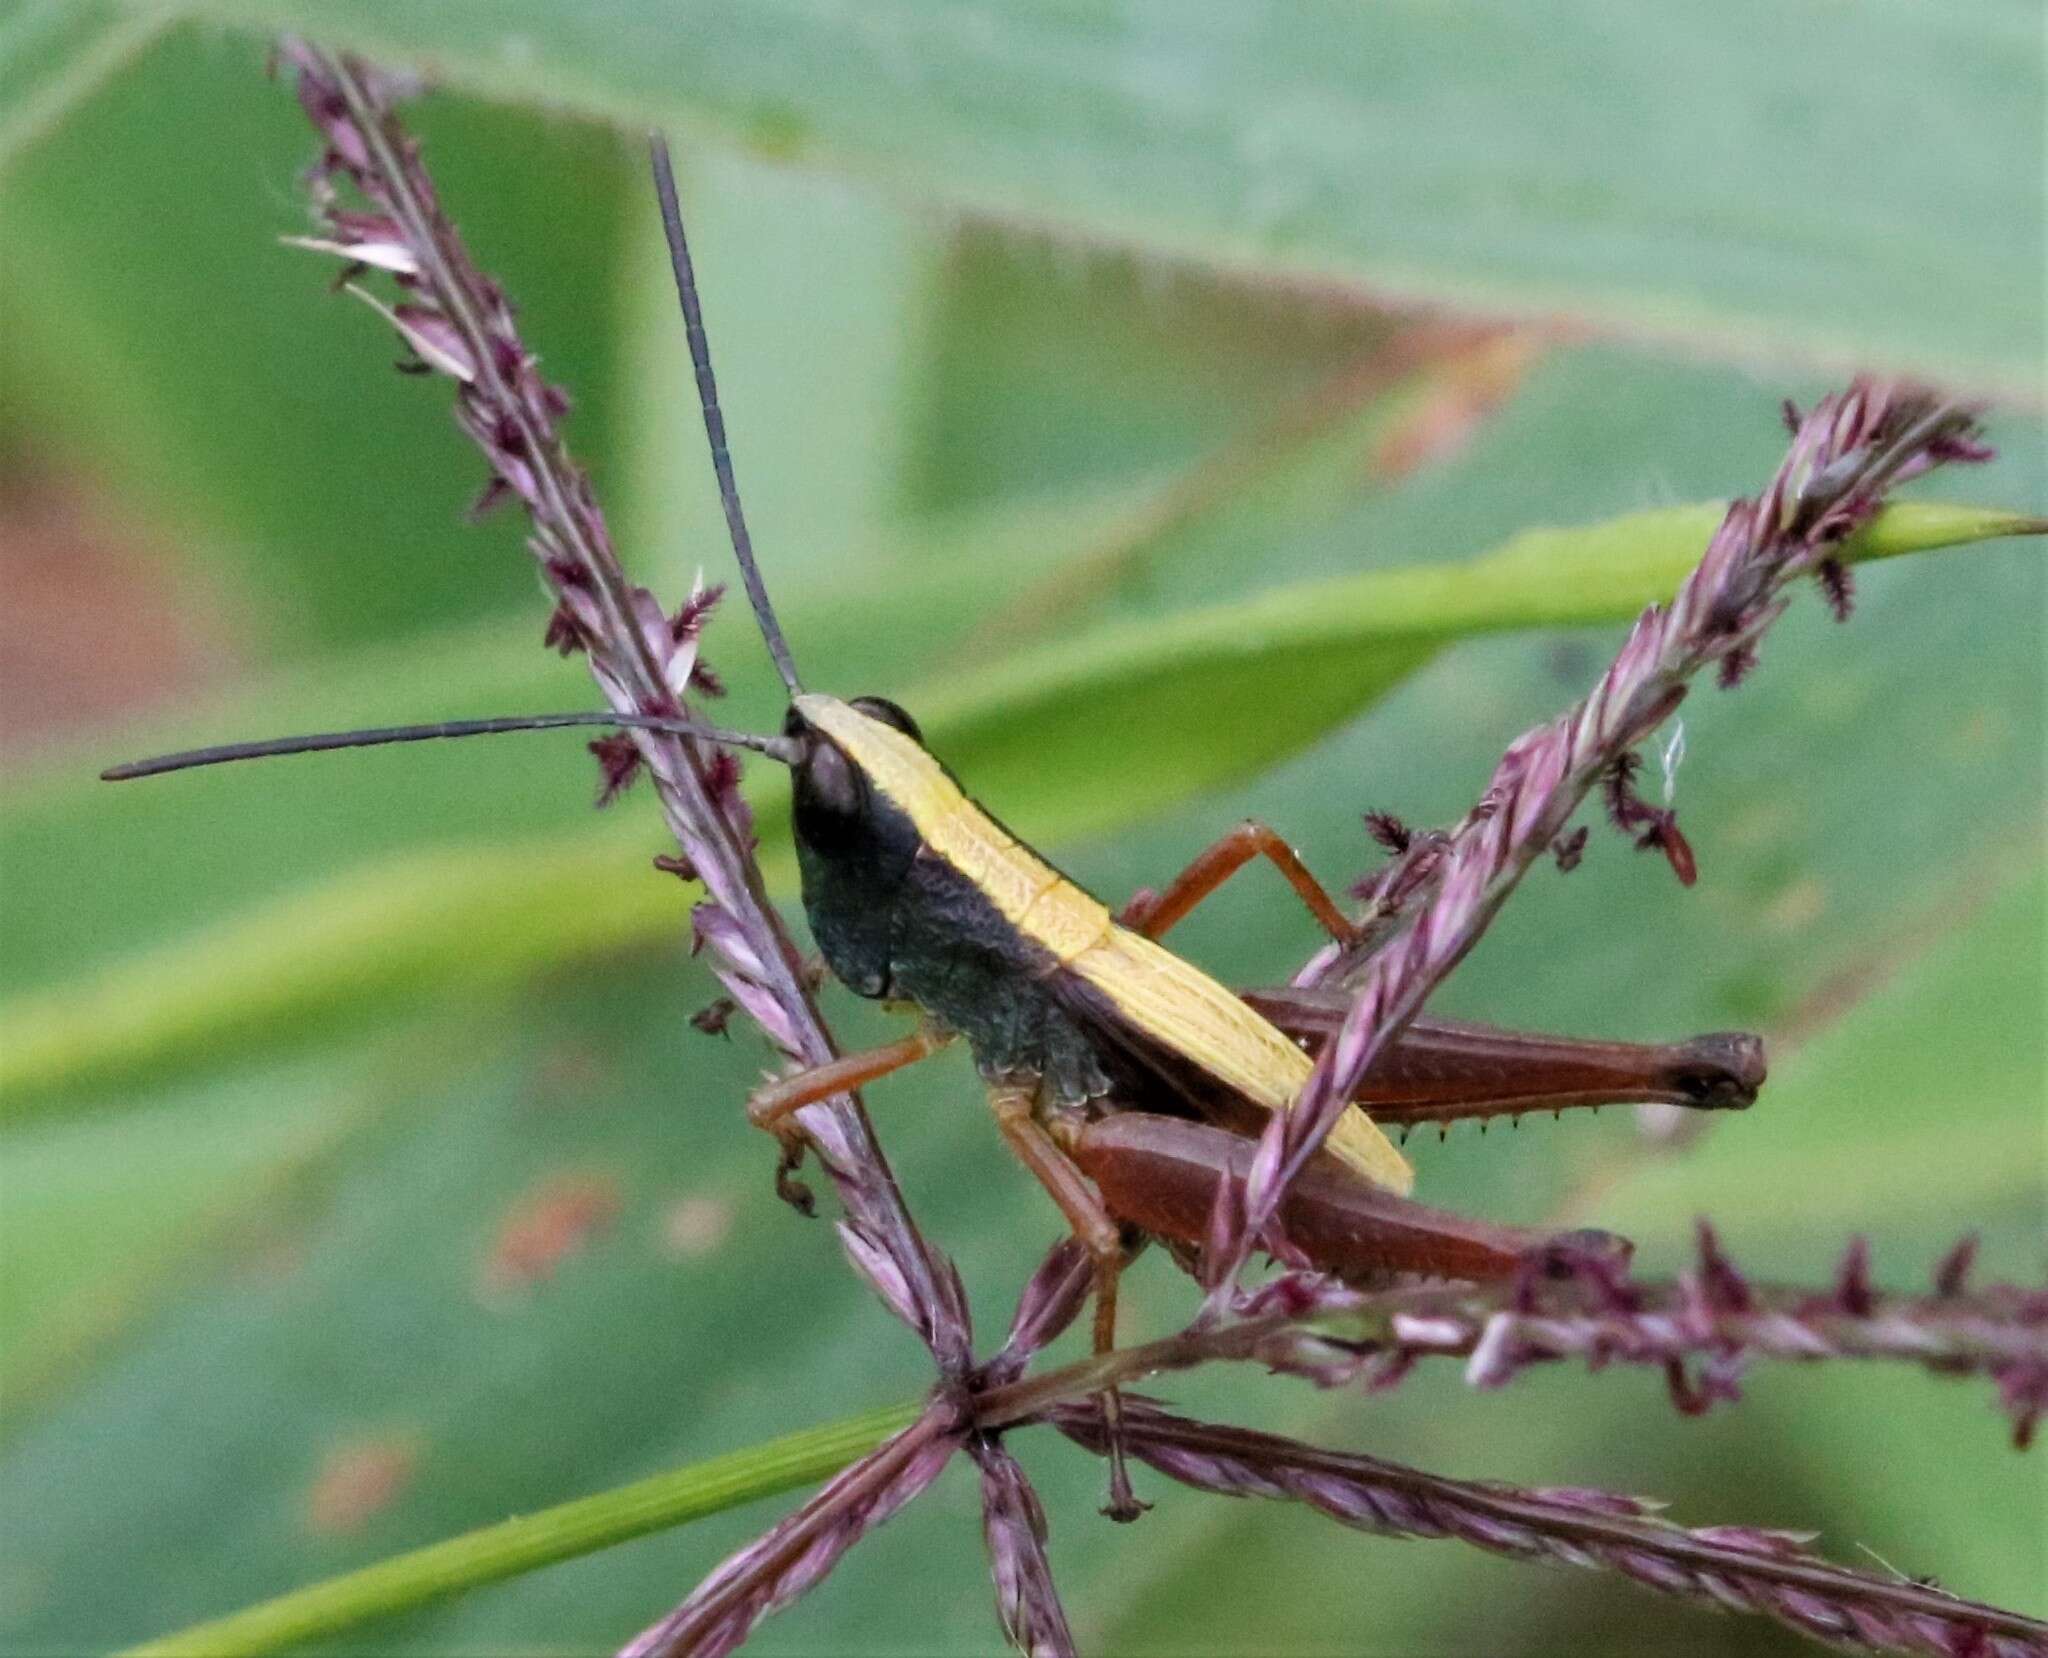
<point x="1128" y="1081"/>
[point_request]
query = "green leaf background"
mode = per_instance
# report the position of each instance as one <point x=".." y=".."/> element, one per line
<point x="1018" y="311"/>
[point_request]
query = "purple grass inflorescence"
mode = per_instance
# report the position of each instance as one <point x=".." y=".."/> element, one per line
<point x="458" y="322"/>
<point x="1847" y="453"/>
<point x="1720" y="1568"/>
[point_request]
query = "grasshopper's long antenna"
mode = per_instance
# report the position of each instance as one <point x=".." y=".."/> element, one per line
<point x="714" y="421"/>
<point x="776" y="748"/>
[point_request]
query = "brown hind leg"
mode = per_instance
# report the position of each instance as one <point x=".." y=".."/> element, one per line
<point x="1153" y="913"/>
<point x="772" y="1104"/>
<point x="1017" y="1116"/>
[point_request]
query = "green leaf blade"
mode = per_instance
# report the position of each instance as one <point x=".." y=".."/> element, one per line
<point x="1688" y="180"/>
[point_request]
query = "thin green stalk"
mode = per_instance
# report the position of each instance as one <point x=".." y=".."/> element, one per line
<point x="459" y="1564"/>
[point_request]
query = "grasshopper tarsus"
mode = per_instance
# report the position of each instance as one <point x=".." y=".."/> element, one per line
<point x="794" y="1192"/>
<point x="1124" y="1504"/>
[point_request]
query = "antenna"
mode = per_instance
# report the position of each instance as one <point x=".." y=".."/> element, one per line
<point x="714" y="421"/>
<point x="776" y="748"/>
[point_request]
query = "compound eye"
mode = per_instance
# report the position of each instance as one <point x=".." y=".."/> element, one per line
<point x="830" y="780"/>
<point x="890" y="714"/>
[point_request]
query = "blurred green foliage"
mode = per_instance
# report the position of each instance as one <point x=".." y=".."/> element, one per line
<point x="269" y="1300"/>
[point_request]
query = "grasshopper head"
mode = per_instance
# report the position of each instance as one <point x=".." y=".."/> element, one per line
<point x="852" y="765"/>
